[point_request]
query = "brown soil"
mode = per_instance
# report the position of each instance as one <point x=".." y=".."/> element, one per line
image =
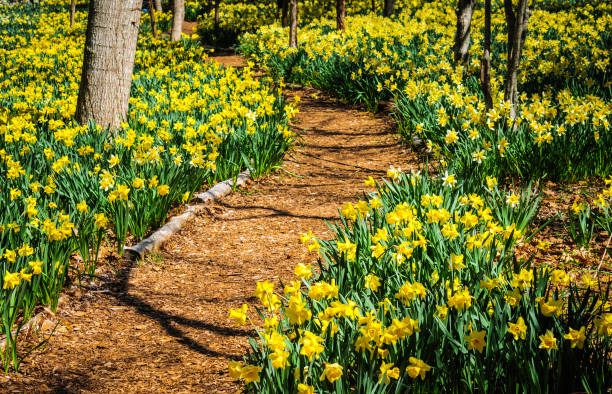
<point x="162" y="325"/>
<point x="553" y="245"/>
<point x="189" y="27"/>
<point x="227" y="58"/>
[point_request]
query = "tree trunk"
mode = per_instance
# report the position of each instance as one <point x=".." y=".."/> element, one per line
<point x="293" y="13"/>
<point x="389" y="8"/>
<point x="158" y="6"/>
<point x="285" y="20"/>
<point x="108" y="61"/>
<point x="217" y="16"/>
<point x="279" y="9"/>
<point x="485" y="63"/>
<point x="178" y="15"/>
<point x="72" y="12"/>
<point x="340" y="14"/>
<point x="152" y="16"/>
<point x="374" y="6"/>
<point x="464" y="11"/>
<point x="517" y="30"/>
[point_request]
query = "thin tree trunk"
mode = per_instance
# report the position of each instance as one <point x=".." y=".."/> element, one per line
<point x="340" y="14"/>
<point x="510" y="21"/>
<point x="286" y="18"/>
<point x="373" y="5"/>
<point x="108" y="61"/>
<point x="178" y="15"/>
<point x="485" y="63"/>
<point x="152" y="16"/>
<point x="279" y="9"/>
<point x="158" y="6"/>
<point x="464" y="11"/>
<point x="72" y="12"/>
<point x="389" y="8"/>
<point x="517" y="30"/>
<point x="293" y="13"/>
<point x="217" y="16"/>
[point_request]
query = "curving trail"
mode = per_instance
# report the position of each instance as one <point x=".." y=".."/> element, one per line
<point x="162" y="325"/>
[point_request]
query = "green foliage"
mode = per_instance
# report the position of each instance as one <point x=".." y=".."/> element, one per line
<point x="580" y="226"/>
<point x="587" y="220"/>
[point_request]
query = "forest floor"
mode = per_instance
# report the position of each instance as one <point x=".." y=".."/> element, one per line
<point x="161" y="325"/>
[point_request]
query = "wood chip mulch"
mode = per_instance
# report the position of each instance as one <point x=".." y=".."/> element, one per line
<point x="553" y="245"/>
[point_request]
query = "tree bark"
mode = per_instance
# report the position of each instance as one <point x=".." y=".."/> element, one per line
<point x="217" y="16"/>
<point x="279" y="9"/>
<point x="340" y="14"/>
<point x="285" y="18"/>
<point x="293" y="16"/>
<point x="72" y="12"/>
<point x="152" y="16"/>
<point x="158" y="6"/>
<point x="373" y="5"/>
<point x="108" y="61"/>
<point x="389" y="8"/>
<point x="178" y="15"/>
<point x="485" y="63"/>
<point x="464" y="11"/>
<point x="517" y="21"/>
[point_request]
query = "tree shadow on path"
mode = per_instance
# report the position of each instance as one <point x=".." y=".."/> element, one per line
<point x="120" y="289"/>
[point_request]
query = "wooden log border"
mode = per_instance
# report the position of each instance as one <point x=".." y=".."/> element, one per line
<point x="155" y="240"/>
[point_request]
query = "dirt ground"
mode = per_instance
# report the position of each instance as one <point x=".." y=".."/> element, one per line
<point x="189" y="27"/>
<point x="161" y="325"/>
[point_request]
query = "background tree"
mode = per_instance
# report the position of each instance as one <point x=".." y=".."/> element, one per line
<point x="517" y="20"/>
<point x="158" y="6"/>
<point x="108" y="61"/>
<point x="485" y="62"/>
<point x="340" y="14"/>
<point x="72" y="12"/>
<point x="178" y="15"/>
<point x="464" y="11"/>
<point x="293" y="16"/>
<point x="217" y="3"/>
<point x="284" y="12"/>
<point x="389" y="8"/>
<point x="152" y="16"/>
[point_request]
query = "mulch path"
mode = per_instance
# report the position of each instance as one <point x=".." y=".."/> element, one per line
<point x="161" y="325"/>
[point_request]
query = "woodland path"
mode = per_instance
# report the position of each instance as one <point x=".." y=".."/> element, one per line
<point x="161" y="325"/>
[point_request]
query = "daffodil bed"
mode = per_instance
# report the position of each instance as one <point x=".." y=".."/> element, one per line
<point x="563" y="128"/>
<point x="234" y="19"/>
<point x="420" y="290"/>
<point x="65" y="187"/>
<point x="237" y="17"/>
